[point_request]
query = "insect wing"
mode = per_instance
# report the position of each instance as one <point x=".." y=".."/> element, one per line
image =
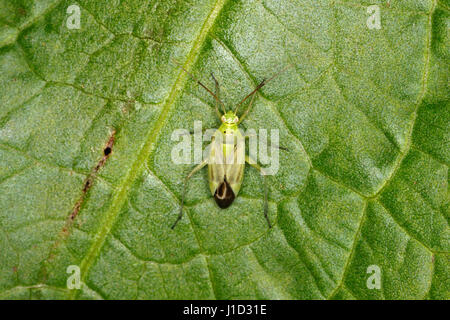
<point x="216" y="169"/>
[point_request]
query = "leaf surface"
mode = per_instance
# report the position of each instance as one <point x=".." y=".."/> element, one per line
<point x="364" y="114"/>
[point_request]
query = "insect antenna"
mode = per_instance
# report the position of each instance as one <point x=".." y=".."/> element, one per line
<point x="201" y="84"/>
<point x="216" y="105"/>
<point x="259" y="86"/>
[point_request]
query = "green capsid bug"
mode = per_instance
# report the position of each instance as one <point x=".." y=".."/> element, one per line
<point x="226" y="156"/>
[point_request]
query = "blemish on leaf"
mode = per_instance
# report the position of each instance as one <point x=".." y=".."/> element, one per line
<point x="22" y="11"/>
<point x="87" y="185"/>
<point x="107" y="150"/>
<point x="129" y="106"/>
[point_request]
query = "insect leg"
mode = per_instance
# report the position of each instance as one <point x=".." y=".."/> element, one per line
<point x="197" y="168"/>
<point x="255" y="165"/>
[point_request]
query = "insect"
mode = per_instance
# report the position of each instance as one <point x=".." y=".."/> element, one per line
<point x="225" y="170"/>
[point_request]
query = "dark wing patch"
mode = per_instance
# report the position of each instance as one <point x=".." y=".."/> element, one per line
<point x="224" y="195"/>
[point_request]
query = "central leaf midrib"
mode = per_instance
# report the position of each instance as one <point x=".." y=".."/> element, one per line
<point x="146" y="150"/>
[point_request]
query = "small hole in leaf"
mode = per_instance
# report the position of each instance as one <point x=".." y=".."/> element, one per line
<point x="107" y="151"/>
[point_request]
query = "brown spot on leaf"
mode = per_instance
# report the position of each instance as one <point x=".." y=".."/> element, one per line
<point x="107" y="150"/>
<point x="128" y="106"/>
<point x="88" y="183"/>
<point x="21" y="11"/>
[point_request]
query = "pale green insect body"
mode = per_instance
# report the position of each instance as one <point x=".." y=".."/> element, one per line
<point x="226" y="161"/>
<point x="226" y="158"/>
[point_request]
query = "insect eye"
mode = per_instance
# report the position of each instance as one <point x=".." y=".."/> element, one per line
<point x="223" y="119"/>
<point x="236" y="119"/>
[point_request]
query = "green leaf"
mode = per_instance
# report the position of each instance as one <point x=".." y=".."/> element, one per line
<point x="364" y="114"/>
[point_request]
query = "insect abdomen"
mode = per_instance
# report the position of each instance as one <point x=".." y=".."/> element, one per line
<point x="225" y="169"/>
<point x="224" y="195"/>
